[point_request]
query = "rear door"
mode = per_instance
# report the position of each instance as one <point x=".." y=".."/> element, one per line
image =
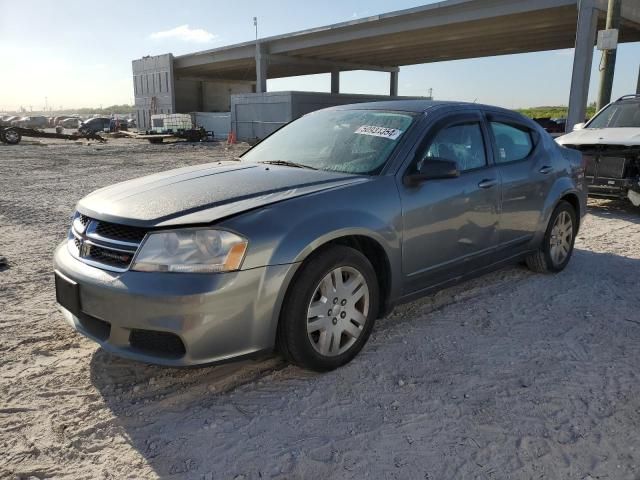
<point x="450" y="224"/>
<point x="527" y="173"/>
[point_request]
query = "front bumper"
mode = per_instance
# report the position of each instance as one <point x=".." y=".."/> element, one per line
<point x="611" y="187"/>
<point x="216" y="317"/>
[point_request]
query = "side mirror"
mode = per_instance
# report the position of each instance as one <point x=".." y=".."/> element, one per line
<point x="578" y="126"/>
<point x="433" y="168"/>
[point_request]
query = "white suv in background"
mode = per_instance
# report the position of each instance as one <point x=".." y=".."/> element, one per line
<point x="610" y="142"/>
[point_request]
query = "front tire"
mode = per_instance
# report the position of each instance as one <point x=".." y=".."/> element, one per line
<point x="329" y="310"/>
<point x="557" y="244"/>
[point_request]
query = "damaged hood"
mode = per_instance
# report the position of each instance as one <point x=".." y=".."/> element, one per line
<point x="602" y="136"/>
<point x="205" y="193"/>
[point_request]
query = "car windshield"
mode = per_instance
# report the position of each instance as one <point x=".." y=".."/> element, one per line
<point x="349" y="141"/>
<point x="618" y="115"/>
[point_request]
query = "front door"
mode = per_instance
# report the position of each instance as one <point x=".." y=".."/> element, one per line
<point x="450" y="224"/>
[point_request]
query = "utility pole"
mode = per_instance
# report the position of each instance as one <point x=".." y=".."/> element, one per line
<point x="255" y="24"/>
<point x="609" y="56"/>
<point x="638" y="87"/>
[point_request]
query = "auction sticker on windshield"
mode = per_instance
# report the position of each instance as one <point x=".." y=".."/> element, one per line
<point x="390" y="133"/>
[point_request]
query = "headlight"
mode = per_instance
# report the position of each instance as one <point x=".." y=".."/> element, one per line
<point x="191" y="250"/>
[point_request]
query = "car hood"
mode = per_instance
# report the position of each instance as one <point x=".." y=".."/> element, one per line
<point x="602" y="136"/>
<point x="205" y="193"/>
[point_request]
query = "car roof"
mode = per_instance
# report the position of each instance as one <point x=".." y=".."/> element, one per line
<point x="418" y="106"/>
<point x="630" y="96"/>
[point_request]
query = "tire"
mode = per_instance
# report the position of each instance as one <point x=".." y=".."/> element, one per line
<point x="552" y="257"/>
<point x="11" y="136"/>
<point x="317" y="341"/>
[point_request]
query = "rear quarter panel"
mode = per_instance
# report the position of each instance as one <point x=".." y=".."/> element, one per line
<point x="570" y="180"/>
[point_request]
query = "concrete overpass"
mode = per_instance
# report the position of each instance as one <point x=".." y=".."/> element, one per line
<point x="448" y="30"/>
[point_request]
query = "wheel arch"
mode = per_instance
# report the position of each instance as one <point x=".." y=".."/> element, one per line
<point x="365" y="243"/>
<point x="377" y="256"/>
<point x="572" y="199"/>
<point x="563" y="189"/>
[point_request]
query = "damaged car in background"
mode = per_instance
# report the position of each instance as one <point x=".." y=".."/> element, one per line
<point x="610" y="143"/>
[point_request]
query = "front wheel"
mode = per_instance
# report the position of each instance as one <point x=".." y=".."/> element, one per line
<point x="329" y="310"/>
<point x="557" y="246"/>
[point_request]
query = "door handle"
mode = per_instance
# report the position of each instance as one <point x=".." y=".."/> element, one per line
<point x="546" y="170"/>
<point x="488" y="183"/>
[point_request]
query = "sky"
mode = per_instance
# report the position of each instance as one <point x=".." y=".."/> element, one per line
<point x="76" y="54"/>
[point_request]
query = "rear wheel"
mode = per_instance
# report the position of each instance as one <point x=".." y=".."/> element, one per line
<point x="11" y="136"/>
<point x="330" y="310"/>
<point x="557" y="245"/>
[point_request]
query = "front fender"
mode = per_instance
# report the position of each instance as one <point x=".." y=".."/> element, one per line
<point x="288" y="232"/>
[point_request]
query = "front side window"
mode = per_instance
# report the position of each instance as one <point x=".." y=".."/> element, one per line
<point x="618" y="115"/>
<point x="461" y="143"/>
<point x="513" y="143"/>
<point x="348" y="141"/>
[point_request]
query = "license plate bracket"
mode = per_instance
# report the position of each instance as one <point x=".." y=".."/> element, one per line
<point x="67" y="293"/>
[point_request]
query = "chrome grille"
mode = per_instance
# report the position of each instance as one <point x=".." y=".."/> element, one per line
<point x="102" y="244"/>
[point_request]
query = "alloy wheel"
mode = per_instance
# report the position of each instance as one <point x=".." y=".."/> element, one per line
<point x="338" y="311"/>
<point x="561" y="238"/>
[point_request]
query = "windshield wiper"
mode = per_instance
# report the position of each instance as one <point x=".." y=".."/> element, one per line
<point x="286" y="163"/>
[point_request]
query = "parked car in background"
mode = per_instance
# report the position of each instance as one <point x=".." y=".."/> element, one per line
<point x="550" y="125"/>
<point x="95" y="125"/>
<point x="71" y="122"/>
<point x="562" y="123"/>
<point x="131" y="123"/>
<point x="16" y="121"/>
<point x="102" y="124"/>
<point x="33" y="121"/>
<point x="315" y="232"/>
<point x="118" y="124"/>
<point x="610" y="143"/>
<point x="6" y="120"/>
<point x="60" y="118"/>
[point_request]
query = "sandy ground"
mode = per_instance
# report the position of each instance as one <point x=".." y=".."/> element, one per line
<point x="513" y="375"/>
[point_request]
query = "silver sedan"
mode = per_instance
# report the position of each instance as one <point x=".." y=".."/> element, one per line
<point x="315" y="232"/>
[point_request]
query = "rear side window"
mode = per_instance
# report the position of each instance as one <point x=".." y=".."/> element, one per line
<point x="513" y="143"/>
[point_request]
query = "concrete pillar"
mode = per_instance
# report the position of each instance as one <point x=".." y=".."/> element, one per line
<point x="582" y="60"/>
<point x="201" y="96"/>
<point x="261" y="68"/>
<point x="393" y="83"/>
<point x="609" y="57"/>
<point x="335" y="80"/>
